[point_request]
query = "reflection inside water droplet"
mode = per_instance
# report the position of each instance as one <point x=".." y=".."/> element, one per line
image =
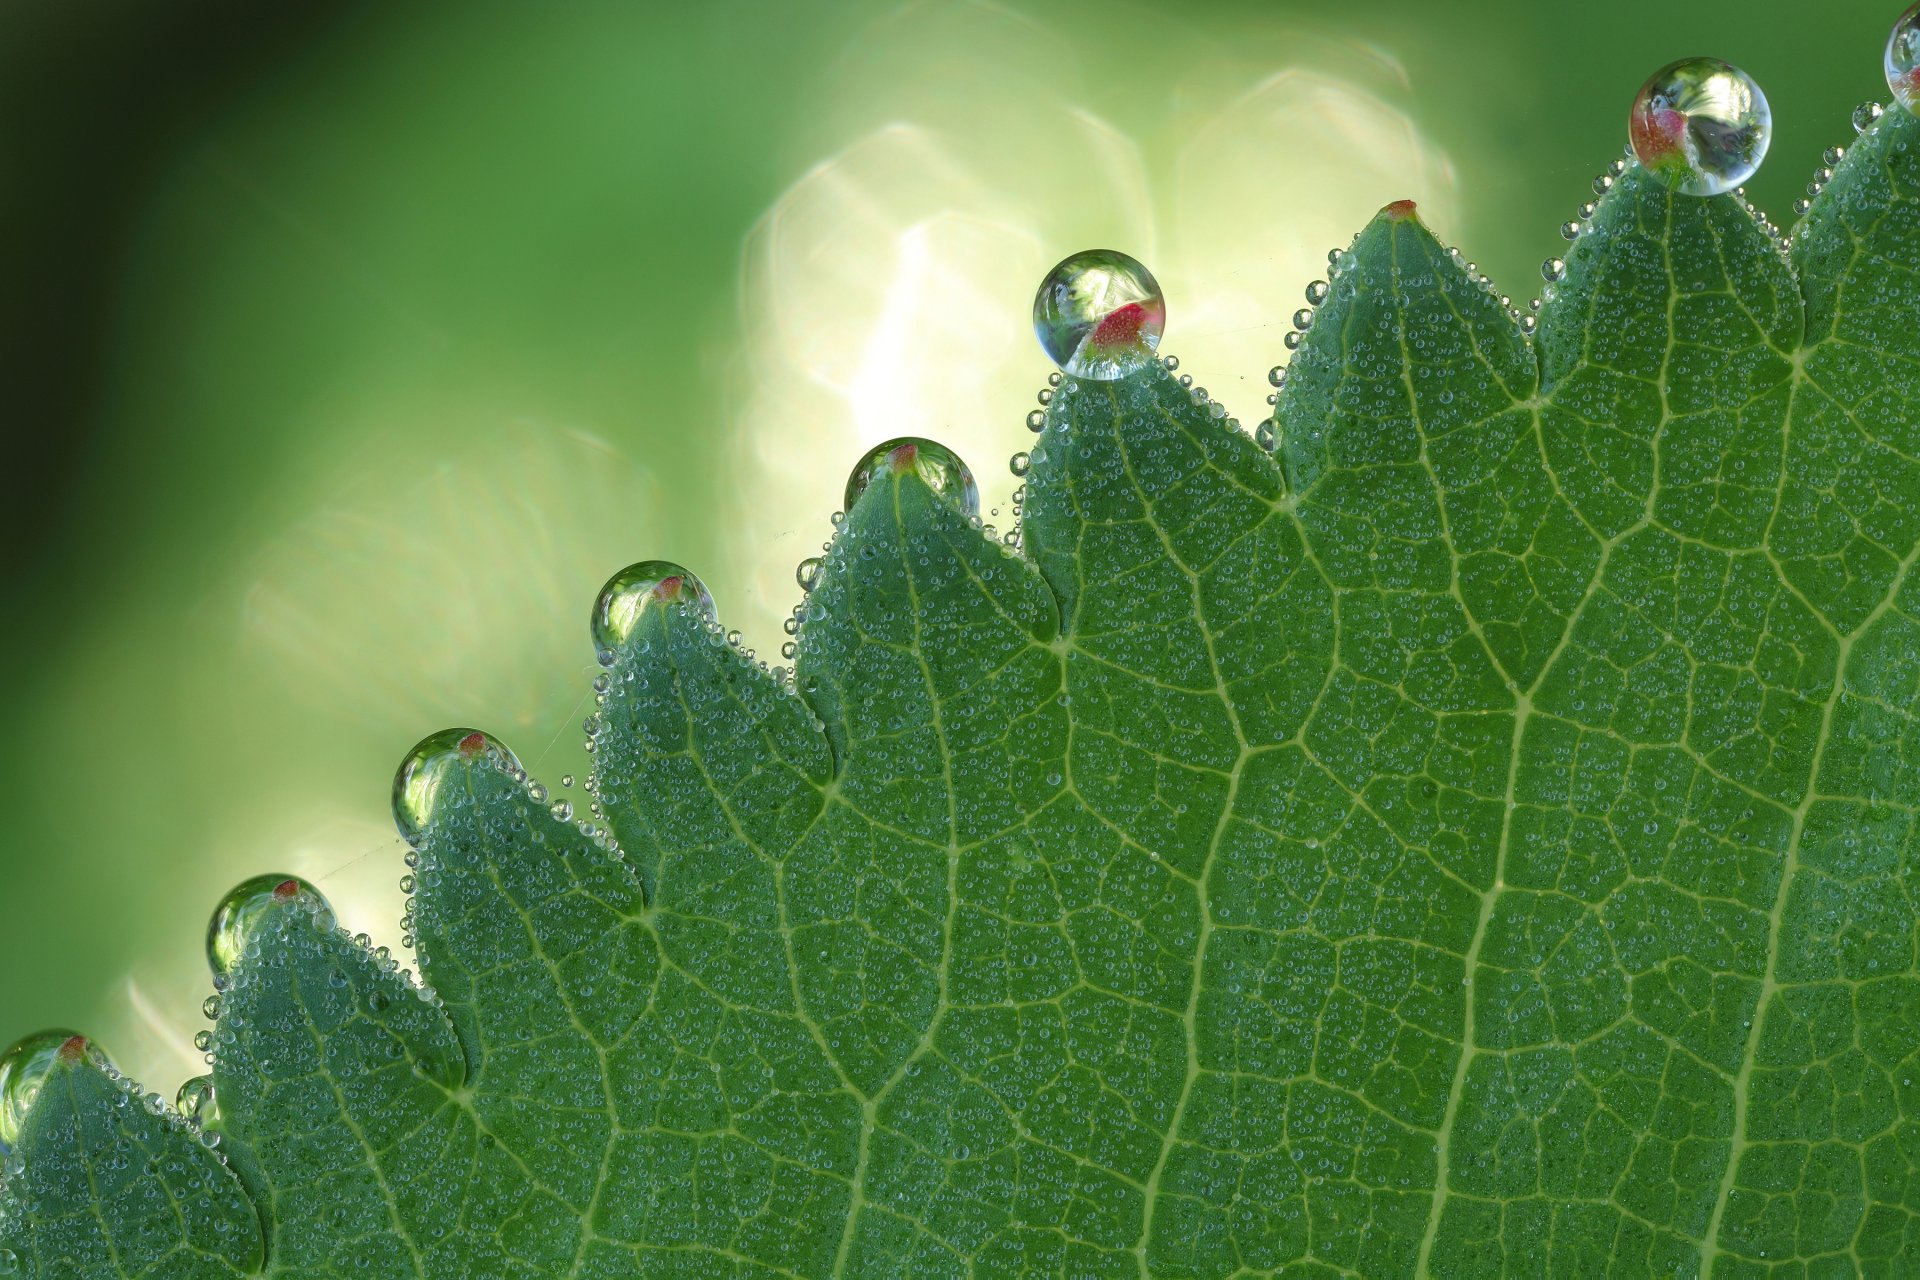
<point x="1099" y="314"/>
<point x="1701" y="125"/>
<point x="1903" y="58"/>
<point x="25" y="1067"/>
<point x="628" y="594"/>
<point x="435" y="761"/>
<point x="937" y="465"/>
<point x="195" y="1102"/>
<point x="247" y="906"/>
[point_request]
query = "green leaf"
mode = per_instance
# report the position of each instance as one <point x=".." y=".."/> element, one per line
<point x="1478" y="839"/>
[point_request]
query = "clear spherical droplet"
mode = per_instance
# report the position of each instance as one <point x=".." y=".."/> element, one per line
<point x="1553" y="268"/>
<point x="807" y="573"/>
<point x="1865" y="115"/>
<point x="1020" y="463"/>
<point x="628" y="594"/>
<point x="434" y="760"/>
<point x="25" y="1067"/>
<point x="1099" y="314"/>
<point x="247" y="905"/>
<point x="1701" y="125"/>
<point x="195" y="1102"/>
<point x="1903" y="59"/>
<point x="937" y="465"/>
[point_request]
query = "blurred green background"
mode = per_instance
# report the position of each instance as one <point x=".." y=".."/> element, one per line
<point x="352" y="346"/>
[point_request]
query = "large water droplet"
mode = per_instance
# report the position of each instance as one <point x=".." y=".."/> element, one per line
<point x="195" y="1102"/>
<point x="247" y="906"/>
<point x="434" y="761"/>
<point x="1099" y="314"/>
<point x="1701" y="125"/>
<point x="936" y="464"/>
<point x="628" y="593"/>
<point x="1903" y="58"/>
<point x="25" y="1067"/>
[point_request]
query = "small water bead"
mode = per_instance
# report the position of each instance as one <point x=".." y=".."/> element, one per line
<point x="1317" y="292"/>
<point x="1553" y="269"/>
<point x="26" y="1066"/>
<point x="1020" y="463"/>
<point x="1053" y="379"/>
<point x="807" y="573"/>
<point x="418" y="782"/>
<point x="195" y="1102"/>
<point x="629" y="593"/>
<point x="1303" y="318"/>
<point x="1865" y="115"/>
<point x="1903" y="58"/>
<point x="938" y="466"/>
<point x="1099" y="314"/>
<point x="1701" y="125"/>
<point x="1046" y="395"/>
<point x="1570" y="229"/>
<point x="1266" y="436"/>
<point x="247" y="906"/>
<point x="1277" y="375"/>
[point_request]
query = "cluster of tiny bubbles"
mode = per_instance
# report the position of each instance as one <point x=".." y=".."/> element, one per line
<point x="24" y="1068"/>
<point x="1903" y="58"/>
<point x="630" y="592"/>
<point x="1099" y="314"/>
<point x="938" y="466"/>
<point x="434" y="760"/>
<point x="248" y="905"/>
<point x="1701" y="126"/>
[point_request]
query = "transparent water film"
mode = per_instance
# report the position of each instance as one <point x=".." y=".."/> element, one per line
<point x="630" y="592"/>
<point x="936" y="464"/>
<point x="1903" y="58"/>
<point x="436" y="762"/>
<point x="1701" y="125"/>
<point x="1099" y="314"/>
<point x="247" y="904"/>
<point x="24" y="1068"/>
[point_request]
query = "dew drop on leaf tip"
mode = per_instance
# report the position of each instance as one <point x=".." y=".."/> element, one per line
<point x="422" y="777"/>
<point x="247" y="906"/>
<point x="1099" y="315"/>
<point x="25" y="1067"/>
<point x="938" y="466"/>
<point x="628" y="594"/>
<point x="1701" y="126"/>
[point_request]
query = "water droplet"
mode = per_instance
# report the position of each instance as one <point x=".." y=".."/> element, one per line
<point x="1865" y="114"/>
<point x="25" y="1067"/>
<point x="1903" y="58"/>
<point x="628" y="593"/>
<point x="211" y="1007"/>
<point x="1317" y="292"/>
<point x="433" y="760"/>
<point x="1020" y="463"/>
<point x="1570" y="229"/>
<point x="1701" y="125"/>
<point x="807" y="573"/>
<point x="1277" y="376"/>
<point x="195" y="1102"/>
<point x="937" y="465"/>
<point x="1553" y="268"/>
<point x="247" y="905"/>
<point x="1303" y="318"/>
<point x="1099" y="314"/>
<point x="1265" y="436"/>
